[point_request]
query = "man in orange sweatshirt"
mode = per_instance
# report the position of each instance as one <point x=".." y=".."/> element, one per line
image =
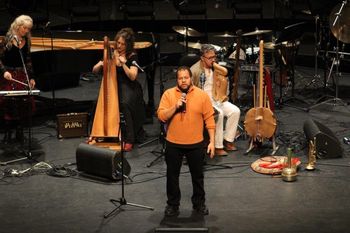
<point x="186" y="109"/>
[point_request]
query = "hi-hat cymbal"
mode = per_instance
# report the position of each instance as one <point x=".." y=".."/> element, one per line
<point x="193" y="45"/>
<point x="186" y="31"/>
<point x="256" y="32"/>
<point x="225" y="35"/>
<point x="340" y="28"/>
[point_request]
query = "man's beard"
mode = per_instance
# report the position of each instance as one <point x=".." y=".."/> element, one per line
<point x="182" y="89"/>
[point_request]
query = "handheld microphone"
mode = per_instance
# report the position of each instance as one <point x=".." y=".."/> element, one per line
<point x="183" y="107"/>
<point x="137" y="65"/>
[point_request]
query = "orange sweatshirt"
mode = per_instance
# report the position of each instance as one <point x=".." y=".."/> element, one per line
<point x="186" y="128"/>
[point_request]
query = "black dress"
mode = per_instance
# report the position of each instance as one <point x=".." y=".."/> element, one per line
<point x="131" y="103"/>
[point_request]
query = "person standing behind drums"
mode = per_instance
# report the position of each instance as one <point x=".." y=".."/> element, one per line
<point x="203" y="77"/>
<point x="129" y="89"/>
<point x="186" y="109"/>
<point x="13" y="77"/>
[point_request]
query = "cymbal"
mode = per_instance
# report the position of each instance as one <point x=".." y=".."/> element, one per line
<point x="186" y="31"/>
<point x="341" y="28"/>
<point x="193" y="45"/>
<point x="256" y="32"/>
<point x="225" y="35"/>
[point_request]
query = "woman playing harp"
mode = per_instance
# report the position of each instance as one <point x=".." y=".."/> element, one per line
<point x="130" y="93"/>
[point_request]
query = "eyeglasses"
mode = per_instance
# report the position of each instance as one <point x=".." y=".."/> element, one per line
<point x="210" y="58"/>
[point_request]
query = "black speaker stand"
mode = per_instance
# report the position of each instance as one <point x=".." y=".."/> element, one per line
<point x="122" y="201"/>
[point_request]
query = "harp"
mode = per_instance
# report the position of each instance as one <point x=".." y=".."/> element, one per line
<point x="105" y="129"/>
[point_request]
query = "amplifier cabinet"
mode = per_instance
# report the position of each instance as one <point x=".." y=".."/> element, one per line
<point x="72" y="125"/>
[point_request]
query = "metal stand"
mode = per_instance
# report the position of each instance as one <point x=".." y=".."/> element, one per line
<point x="161" y="90"/>
<point x="289" y="63"/>
<point x="122" y="201"/>
<point x="335" y="101"/>
<point x="162" y="132"/>
<point x="316" y="77"/>
<point x="159" y="154"/>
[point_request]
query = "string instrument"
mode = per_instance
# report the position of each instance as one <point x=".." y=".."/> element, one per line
<point x="106" y="120"/>
<point x="260" y="121"/>
<point x="234" y="95"/>
<point x="220" y="83"/>
<point x="44" y="43"/>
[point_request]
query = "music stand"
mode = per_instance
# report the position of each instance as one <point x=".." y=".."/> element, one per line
<point x="290" y="35"/>
<point x="122" y="201"/>
<point x="335" y="24"/>
<point x="28" y="153"/>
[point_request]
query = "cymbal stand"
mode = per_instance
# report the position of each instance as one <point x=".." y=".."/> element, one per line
<point x="316" y="78"/>
<point x="161" y="137"/>
<point x="335" y="100"/>
<point x="28" y="153"/>
<point x="289" y="61"/>
<point x="161" y="90"/>
<point x="122" y="201"/>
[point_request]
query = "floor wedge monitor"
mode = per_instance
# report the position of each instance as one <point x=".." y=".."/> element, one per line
<point x="327" y="144"/>
<point x="101" y="162"/>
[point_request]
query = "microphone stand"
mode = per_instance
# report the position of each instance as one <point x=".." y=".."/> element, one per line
<point x="122" y="201"/>
<point x="52" y="68"/>
<point x="28" y="153"/>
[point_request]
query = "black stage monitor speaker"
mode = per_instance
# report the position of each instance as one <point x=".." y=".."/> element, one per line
<point x="327" y="144"/>
<point x="101" y="162"/>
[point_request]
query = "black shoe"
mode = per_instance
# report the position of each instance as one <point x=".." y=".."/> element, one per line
<point x="201" y="209"/>
<point x="171" y="211"/>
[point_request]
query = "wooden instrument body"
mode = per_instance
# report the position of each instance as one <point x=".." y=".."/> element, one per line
<point x="220" y="83"/>
<point x="260" y="122"/>
<point x="106" y="120"/>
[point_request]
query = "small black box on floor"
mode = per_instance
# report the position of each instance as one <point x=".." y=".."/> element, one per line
<point x="72" y="125"/>
<point x="101" y="162"/>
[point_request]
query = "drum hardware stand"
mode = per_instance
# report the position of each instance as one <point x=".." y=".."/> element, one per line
<point x="159" y="154"/>
<point x="316" y="77"/>
<point x="336" y="61"/>
<point x="290" y="83"/>
<point x="161" y="136"/>
<point x="122" y="201"/>
<point x="28" y="153"/>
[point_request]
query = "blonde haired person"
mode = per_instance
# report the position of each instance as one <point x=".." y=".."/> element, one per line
<point x="14" y="47"/>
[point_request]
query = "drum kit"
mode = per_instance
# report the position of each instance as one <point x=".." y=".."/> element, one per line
<point x="226" y="52"/>
<point x="283" y="49"/>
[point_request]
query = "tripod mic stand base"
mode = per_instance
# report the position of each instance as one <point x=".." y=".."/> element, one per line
<point x="159" y="156"/>
<point x="122" y="202"/>
<point x="333" y="102"/>
<point x="27" y="156"/>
